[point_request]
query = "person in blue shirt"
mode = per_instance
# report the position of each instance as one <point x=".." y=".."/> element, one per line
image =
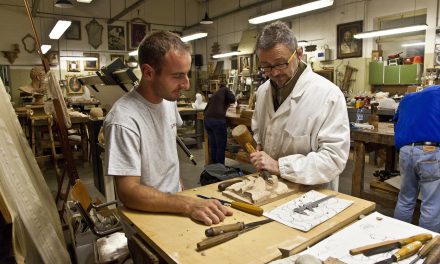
<point x="417" y="135"/>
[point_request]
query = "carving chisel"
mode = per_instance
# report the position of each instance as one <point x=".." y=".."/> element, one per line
<point x="433" y="256"/>
<point x="244" y="207"/>
<point x="403" y="253"/>
<point x="388" y="245"/>
<point x="426" y="249"/>
<point x="223" y="185"/>
<point x="213" y="241"/>
<point x="218" y="230"/>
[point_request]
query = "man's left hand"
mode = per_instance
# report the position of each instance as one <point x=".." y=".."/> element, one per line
<point x="262" y="161"/>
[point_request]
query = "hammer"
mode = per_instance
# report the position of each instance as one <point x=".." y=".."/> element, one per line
<point x="242" y="135"/>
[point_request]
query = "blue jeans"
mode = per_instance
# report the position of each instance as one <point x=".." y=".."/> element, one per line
<point x="420" y="171"/>
<point x="217" y="136"/>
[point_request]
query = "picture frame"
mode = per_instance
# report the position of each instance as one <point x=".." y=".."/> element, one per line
<point x="138" y="29"/>
<point x="74" y="31"/>
<point x="73" y="66"/>
<point x="114" y="56"/>
<point x="116" y="37"/>
<point x="73" y="85"/>
<point x="347" y="45"/>
<point x="244" y="64"/>
<point x="91" y="65"/>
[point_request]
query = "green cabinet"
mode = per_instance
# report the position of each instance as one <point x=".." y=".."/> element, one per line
<point x="394" y="75"/>
<point x="376" y="72"/>
<point x="410" y="74"/>
<point x="391" y="74"/>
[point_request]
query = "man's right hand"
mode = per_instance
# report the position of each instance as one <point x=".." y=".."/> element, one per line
<point x="208" y="211"/>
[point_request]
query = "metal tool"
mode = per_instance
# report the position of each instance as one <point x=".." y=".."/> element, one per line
<point x="426" y="249"/>
<point x="186" y="150"/>
<point x="244" y="207"/>
<point x="311" y="205"/>
<point x="216" y="240"/>
<point x="389" y="245"/>
<point x="218" y="230"/>
<point x="403" y="253"/>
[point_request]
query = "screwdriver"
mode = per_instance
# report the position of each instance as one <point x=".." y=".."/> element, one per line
<point x="403" y="253"/>
<point x="426" y="249"/>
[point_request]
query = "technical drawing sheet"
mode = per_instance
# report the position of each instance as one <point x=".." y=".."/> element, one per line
<point x="324" y="211"/>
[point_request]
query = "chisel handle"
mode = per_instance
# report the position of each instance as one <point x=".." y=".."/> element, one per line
<point x="430" y="245"/>
<point x="433" y="256"/>
<point x="408" y="250"/>
<point x="248" y="208"/>
<point x="222" y="186"/>
<point x="216" y="240"/>
<point x="420" y="237"/>
<point x="218" y="230"/>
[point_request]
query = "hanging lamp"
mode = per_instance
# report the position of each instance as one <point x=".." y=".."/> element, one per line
<point x="63" y="4"/>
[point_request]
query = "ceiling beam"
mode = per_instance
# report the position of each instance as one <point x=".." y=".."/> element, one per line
<point x="125" y="11"/>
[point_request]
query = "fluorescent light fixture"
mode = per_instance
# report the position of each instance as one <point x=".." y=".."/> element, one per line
<point x="413" y="44"/>
<point x="78" y="58"/>
<point x="391" y="31"/>
<point x="224" y="55"/>
<point x="45" y="48"/>
<point x="292" y="11"/>
<point x="194" y="36"/>
<point x="133" y="53"/>
<point x="84" y="1"/>
<point x="58" y="30"/>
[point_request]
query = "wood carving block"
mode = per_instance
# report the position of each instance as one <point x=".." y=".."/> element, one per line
<point x="255" y="190"/>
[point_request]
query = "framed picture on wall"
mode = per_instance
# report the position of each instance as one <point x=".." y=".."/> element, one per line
<point x="138" y="29"/>
<point x="73" y="66"/>
<point x="347" y="45"/>
<point x="74" y="31"/>
<point x="91" y="65"/>
<point x="244" y="64"/>
<point x="116" y="37"/>
<point x="73" y="85"/>
<point x="115" y="56"/>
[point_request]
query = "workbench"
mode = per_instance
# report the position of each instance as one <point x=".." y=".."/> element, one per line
<point x="195" y="115"/>
<point x="363" y="139"/>
<point x="174" y="237"/>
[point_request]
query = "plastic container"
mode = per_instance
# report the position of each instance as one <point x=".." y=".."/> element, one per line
<point x="359" y="115"/>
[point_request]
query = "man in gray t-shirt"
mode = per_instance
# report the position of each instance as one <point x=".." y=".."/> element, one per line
<point x="140" y="134"/>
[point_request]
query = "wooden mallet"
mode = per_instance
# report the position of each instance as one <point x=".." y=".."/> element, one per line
<point x="244" y="137"/>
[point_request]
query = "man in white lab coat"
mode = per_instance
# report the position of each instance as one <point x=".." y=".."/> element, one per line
<point x="300" y="122"/>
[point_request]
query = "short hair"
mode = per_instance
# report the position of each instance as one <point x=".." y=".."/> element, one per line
<point x="36" y="72"/>
<point x="154" y="46"/>
<point x="276" y="33"/>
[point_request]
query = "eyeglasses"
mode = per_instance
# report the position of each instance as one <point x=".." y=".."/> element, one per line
<point x="280" y="66"/>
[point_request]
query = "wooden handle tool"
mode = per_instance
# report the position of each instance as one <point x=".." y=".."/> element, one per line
<point x="388" y="245"/>
<point x="244" y="137"/>
<point x="403" y="253"/>
<point x="218" y="230"/>
<point x="223" y="185"/>
<point x="216" y="240"/>
<point x="248" y="208"/>
<point x="426" y="249"/>
<point x="433" y="256"/>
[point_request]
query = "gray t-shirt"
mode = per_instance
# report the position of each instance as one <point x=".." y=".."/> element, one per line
<point x="140" y="140"/>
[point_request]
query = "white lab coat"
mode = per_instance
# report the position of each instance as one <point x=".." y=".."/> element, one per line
<point x="309" y="134"/>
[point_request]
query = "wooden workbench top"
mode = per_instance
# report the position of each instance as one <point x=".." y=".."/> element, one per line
<point x="175" y="237"/>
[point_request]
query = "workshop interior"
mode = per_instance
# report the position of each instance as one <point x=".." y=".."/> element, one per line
<point x="65" y="63"/>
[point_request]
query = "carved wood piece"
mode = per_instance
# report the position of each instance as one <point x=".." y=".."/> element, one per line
<point x="255" y="190"/>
